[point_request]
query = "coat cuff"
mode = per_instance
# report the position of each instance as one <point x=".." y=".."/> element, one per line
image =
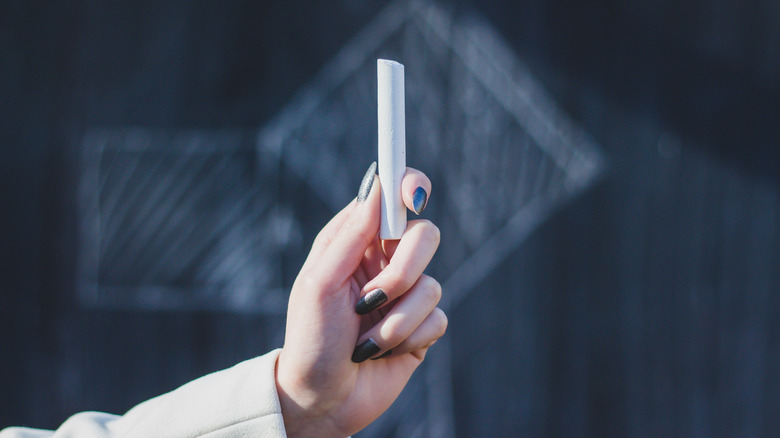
<point x="238" y="401"/>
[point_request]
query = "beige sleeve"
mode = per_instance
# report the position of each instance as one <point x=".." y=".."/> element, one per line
<point x="239" y="401"/>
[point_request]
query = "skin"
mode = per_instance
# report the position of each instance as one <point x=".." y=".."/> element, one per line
<point x="321" y="391"/>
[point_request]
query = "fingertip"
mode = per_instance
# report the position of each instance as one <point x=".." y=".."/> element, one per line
<point x="416" y="189"/>
<point x="368" y="183"/>
<point x="373" y="196"/>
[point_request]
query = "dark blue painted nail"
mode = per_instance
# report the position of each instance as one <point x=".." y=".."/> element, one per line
<point x="368" y="181"/>
<point x="365" y="350"/>
<point x="419" y="200"/>
<point x="371" y="301"/>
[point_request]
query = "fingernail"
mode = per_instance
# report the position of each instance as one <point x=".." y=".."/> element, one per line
<point x="365" y="350"/>
<point x="368" y="181"/>
<point x="370" y="301"/>
<point x="419" y="200"/>
<point x="383" y="355"/>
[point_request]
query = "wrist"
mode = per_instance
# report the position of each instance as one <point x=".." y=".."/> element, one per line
<point x="303" y="412"/>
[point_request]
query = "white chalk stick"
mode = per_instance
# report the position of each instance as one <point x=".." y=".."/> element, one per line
<point x="392" y="146"/>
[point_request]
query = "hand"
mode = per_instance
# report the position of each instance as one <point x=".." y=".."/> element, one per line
<point x="326" y="386"/>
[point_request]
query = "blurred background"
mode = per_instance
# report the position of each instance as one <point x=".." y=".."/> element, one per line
<point x="606" y="179"/>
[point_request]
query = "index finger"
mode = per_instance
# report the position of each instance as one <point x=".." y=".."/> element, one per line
<point x="342" y="256"/>
<point x="329" y="231"/>
<point x="415" y="250"/>
<point x="326" y="234"/>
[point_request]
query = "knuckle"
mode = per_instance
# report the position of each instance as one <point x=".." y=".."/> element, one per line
<point x="305" y="281"/>
<point x="317" y="279"/>
<point x="432" y="289"/>
<point x="321" y="240"/>
<point x="430" y="231"/>
<point x="441" y="320"/>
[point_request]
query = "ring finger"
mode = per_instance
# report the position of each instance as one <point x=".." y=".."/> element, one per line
<point x="403" y="319"/>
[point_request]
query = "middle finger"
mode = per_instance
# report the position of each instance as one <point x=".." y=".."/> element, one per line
<point x="415" y="250"/>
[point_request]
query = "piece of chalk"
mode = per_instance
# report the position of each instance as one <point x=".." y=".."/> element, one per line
<point x="392" y="146"/>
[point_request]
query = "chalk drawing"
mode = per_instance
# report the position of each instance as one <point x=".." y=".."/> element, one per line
<point x="194" y="220"/>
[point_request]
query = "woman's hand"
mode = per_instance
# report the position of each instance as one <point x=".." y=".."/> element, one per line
<point x="359" y="298"/>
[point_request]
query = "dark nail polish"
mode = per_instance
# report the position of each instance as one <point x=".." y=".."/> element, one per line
<point x="368" y="181"/>
<point x="370" y="301"/>
<point x="383" y="355"/>
<point x="419" y="200"/>
<point x="365" y="350"/>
